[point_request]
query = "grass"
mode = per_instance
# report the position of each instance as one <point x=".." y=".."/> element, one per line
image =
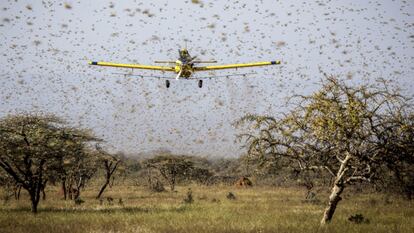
<point x="258" y="209"/>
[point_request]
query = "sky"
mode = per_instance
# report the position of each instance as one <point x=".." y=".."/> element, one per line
<point x="45" y="47"/>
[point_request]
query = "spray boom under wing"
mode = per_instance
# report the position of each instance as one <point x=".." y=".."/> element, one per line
<point x="213" y="61"/>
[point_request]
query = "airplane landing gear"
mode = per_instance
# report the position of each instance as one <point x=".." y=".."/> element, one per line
<point x="200" y="83"/>
<point x="167" y="83"/>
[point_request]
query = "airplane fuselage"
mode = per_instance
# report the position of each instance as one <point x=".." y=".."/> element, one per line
<point x="184" y="64"/>
<point x="185" y="69"/>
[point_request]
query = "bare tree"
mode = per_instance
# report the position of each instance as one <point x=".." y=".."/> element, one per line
<point x="337" y="129"/>
<point x="110" y="165"/>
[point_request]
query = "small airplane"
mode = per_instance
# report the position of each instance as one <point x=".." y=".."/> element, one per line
<point x="184" y="67"/>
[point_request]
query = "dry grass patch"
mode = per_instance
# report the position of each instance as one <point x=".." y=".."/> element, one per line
<point x="258" y="209"/>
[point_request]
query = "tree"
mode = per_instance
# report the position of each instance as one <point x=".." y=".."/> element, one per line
<point x="33" y="146"/>
<point x="170" y="167"/>
<point x="338" y="129"/>
<point x="80" y="168"/>
<point x="200" y="174"/>
<point x="397" y="137"/>
<point x="110" y="164"/>
<point x="75" y="168"/>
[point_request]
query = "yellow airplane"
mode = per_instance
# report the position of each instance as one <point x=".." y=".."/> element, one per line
<point x="185" y="66"/>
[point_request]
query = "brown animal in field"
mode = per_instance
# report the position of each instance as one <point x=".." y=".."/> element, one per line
<point x="244" y="182"/>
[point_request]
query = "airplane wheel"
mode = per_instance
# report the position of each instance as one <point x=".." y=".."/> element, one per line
<point x="167" y="83"/>
<point x="200" y="83"/>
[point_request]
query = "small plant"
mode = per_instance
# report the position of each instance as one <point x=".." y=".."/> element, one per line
<point x="358" y="219"/>
<point x="372" y="202"/>
<point x="310" y="195"/>
<point x="215" y="200"/>
<point x="110" y="200"/>
<point x="202" y="197"/>
<point x="312" y="199"/>
<point x="79" y="201"/>
<point x="157" y="186"/>
<point x="231" y="196"/>
<point x="189" y="198"/>
<point x="387" y="199"/>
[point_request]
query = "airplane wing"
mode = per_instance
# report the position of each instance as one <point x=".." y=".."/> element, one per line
<point x="132" y="66"/>
<point x="235" y="66"/>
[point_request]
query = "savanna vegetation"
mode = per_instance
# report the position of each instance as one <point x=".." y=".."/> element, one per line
<point x="340" y="160"/>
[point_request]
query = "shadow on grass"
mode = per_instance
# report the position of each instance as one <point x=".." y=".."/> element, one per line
<point x="100" y="210"/>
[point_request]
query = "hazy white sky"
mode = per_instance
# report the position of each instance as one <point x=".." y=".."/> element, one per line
<point x="45" y="47"/>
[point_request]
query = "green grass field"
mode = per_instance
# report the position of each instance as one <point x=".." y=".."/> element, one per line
<point x="258" y="209"/>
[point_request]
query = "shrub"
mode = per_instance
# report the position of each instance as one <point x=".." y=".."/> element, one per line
<point x="215" y="200"/>
<point x="79" y="201"/>
<point x="157" y="187"/>
<point x="231" y="196"/>
<point x="189" y="198"/>
<point x="358" y="219"/>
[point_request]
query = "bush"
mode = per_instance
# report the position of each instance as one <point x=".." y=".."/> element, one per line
<point x="215" y="200"/>
<point x="157" y="187"/>
<point x="231" y="196"/>
<point x="79" y="201"/>
<point x="189" y="198"/>
<point x="358" y="219"/>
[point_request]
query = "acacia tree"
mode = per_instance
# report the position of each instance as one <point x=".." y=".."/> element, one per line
<point x="397" y="138"/>
<point x="170" y="167"/>
<point x="110" y="165"/>
<point x="79" y="170"/>
<point x="75" y="168"/>
<point x="337" y="129"/>
<point x="32" y="146"/>
<point x="76" y="163"/>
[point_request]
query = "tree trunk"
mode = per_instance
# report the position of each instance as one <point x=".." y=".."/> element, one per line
<point x="43" y="194"/>
<point x="76" y="195"/>
<point x="172" y="182"/>
<point x="102" y="189"/>
<point x="17" y="192"/>
<point x="172" y="185"/>
<point x="70" y="196"/>
<point x="64" y="190"/>
<point x="34" y="198"/>
<point x="334" y="199"/>
<point x="34" y="206"/>
<point x="337" y="189"/>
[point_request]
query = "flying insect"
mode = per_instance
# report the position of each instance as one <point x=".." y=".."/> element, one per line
<point x="185" y="66"/>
